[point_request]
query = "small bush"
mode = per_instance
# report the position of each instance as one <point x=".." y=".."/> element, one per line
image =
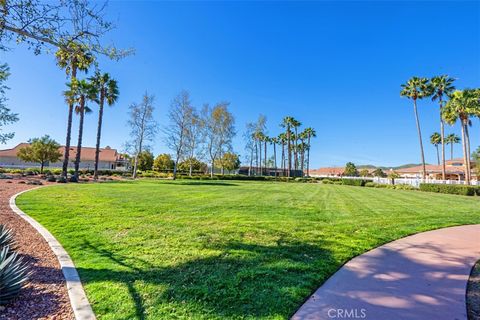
<point x="61" y="180"/>
<point x="355" y="182"/>
<point x="370" y="184"/>
<point x="463" y="190"/>
<point x="50" y="178"/>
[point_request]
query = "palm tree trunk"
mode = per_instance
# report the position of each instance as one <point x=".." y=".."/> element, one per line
<point x="451" y="151"/>
<point x="308" y="157"/>
<point x="424" y="170"/>
<point x="99" y="133"/>
<point x="256" y="157"/>
<point x="69" y="128"/>
<point x="265" y="157"/>
<point x="283" y="159"/>
<point x="80" y="136"/>
<point x="260" y="157"/>
<point x="467" y="136"/>
<point x="464" y="145"/>
<point x="275" y="158"/>
<point x="289" y="152"/>
<point x="438" y="159"/>
<point x="442" y="135"/>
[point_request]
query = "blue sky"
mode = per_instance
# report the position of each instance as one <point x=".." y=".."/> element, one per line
<point x="335" y="66"/>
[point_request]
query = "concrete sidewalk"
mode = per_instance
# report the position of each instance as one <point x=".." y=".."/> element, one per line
<point x="423" y="276"/>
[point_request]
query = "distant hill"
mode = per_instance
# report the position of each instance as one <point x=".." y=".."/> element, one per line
<point x="370" y="166"/>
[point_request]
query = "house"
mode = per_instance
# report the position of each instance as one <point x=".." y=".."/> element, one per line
<point x="279" y="172"/>
<point x="454" y="171"/>
<point x="109" y="159"/>
<point x="327" y="172"/>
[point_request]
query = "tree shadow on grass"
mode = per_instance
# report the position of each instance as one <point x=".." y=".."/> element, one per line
<point x="245" y="280"/>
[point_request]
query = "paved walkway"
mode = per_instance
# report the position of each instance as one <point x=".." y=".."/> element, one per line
<point x="420" y="277"/>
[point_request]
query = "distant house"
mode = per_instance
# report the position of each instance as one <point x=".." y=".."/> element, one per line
<point x="269" y="172"/>
<point x="327" y="172"/>
<point x="454" y="171"/>
<point x="109" y="159"/>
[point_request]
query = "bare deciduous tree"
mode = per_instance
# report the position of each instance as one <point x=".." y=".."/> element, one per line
<point x="179" y="115"/>
<point x="219" y="130"/>
<point x="193" y="139"/>
<point x="45" y="24"/>
<point x="143" y="127"/>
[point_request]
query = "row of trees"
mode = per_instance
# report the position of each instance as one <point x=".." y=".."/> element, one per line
<point x="73" y="30"/>
<point x="190" y="134"/>
<point x="295" y="146"/>
<point x="451" y="139"/>
<point x="454" y="105"/>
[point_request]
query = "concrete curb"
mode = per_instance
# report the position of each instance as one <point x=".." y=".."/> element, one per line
<point x="78" y="299"/>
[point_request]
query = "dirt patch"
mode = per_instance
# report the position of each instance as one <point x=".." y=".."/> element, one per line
<point x="45" y="296"/>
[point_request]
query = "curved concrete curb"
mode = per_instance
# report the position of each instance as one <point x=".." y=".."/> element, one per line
<point x="78" y="299"/>
<point x="420" y="277"/>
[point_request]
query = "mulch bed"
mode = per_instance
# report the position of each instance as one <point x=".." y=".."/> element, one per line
<point x="473" y="293"/>
<point x="45" y="296"/>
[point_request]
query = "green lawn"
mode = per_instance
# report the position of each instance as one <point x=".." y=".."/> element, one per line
<point x="225" y="250"/>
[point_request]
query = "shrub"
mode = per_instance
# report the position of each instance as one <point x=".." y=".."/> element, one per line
<point x="449" y="188"/>
<point x="13" y="274"/>
<point x="61" y="180"/>
<point x="355" y="182"/>
<point x="404" y="187"/>
<point x="370" y="184"/>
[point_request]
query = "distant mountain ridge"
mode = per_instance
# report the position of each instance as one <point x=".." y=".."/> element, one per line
<point x="404" y="166"/>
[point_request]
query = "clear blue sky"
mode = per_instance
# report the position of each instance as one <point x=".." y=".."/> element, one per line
<point x="334" y="66"/>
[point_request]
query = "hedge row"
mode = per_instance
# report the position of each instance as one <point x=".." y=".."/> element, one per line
<point x="463" y="190"/>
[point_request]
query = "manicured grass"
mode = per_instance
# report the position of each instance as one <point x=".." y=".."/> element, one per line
<point x="225" y="250"/>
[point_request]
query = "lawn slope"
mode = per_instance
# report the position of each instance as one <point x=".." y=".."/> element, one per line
<point x="225" y="250"/>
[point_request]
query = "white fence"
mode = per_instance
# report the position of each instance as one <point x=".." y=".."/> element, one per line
<point x="410" y="181"/>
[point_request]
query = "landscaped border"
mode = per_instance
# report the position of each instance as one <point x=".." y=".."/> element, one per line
<point x="78" y="299"/>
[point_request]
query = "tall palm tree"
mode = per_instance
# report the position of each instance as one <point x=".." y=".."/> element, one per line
<point x="442" y="86"/>
<point x="310" y="132"/>
<point x="451" y="139"/>
<point x="72" y="57"/>
<point x="282" y="139"/>
<point x="287" y="124"/>
<point x="79" y="94"/>
<point x="436" y="139"/>
<point x="461" y="106"/>
<point x="274" y="141"/>
<point x="107" y="90"/>
<point x="417" y="88"/>
<point x="295" y="125"/>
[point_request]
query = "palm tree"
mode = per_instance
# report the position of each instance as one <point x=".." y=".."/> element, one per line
<point x="273" y="142"/>
<point x="310" y="132"/>
<point x="72" y="57"/>
<point x="107" y="90"/>
<point x="282" y="139"/>
<point x="442" y="86"/>
<point x="461" y="106"/>
<point x="451" y="139"/>
<point x="295" y="125"/>
<point x="287" y="124"/>
<point x="436" y="139"/>
<point x="417" y="88"/>
<point x="80" y="93"/>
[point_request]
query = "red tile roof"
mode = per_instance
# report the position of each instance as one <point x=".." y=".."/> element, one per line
<point x="87" y="154"/>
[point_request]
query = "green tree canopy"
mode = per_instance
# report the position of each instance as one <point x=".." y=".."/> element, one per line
<point x="229" y="161"/>
<point x="379" y="173"/>
<point x="350" y="170"/>
<point x="145" y="160"/>
<point x="163" y="162"/>
<point x="364" y="173"/>
<point x="197" y="165"/>
<point x="6" y="117"/>
<point x="41" y="150"/>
